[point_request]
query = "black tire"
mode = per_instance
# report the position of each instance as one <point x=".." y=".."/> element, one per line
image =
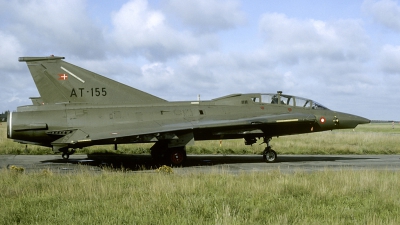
<point x="156" y="154"/>
<point x="269" y="156"/>
<point x="176" y="156"/>
<point x="158" y="151"/>
<point x="65" y="155"/>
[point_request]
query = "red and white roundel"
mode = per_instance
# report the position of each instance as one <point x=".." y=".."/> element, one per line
<point x="322" y="119"/>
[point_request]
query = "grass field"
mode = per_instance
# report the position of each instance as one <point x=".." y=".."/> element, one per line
<point x="365" y="139"/>
<point x="328" y="197"/>
<point x="122" y="197"/>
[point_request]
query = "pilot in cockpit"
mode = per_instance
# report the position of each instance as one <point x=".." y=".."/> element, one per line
<point x="274" y="99"/>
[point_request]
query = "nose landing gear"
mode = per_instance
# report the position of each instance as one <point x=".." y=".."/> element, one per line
<point x="269" y="155"/>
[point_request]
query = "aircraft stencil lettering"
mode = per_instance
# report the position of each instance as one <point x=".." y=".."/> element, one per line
<point x="94" y="92"/>
<point x="78" y="108"/>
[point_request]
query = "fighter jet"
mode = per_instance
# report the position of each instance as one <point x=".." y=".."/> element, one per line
<point x="79" y="108"/>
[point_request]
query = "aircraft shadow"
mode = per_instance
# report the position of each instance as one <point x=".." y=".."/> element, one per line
<point x="145" y="162"/>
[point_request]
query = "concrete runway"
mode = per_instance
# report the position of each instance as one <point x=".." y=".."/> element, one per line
<point x="203" y="163"/>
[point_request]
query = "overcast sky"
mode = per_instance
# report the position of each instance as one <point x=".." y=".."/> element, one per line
<point x="342" y="54"/>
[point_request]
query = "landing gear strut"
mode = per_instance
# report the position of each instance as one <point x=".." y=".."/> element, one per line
<point x="269" y="155"/>
<point x="67" y="153"/>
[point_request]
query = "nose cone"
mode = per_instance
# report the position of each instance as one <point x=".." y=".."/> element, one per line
<point x="350" y="121"/>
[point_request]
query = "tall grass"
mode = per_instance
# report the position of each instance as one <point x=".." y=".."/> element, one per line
<point x="365" y="139"/>
<point x="327" y="197"/>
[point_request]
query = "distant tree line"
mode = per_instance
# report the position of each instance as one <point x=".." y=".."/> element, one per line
<point x="3" y="116"/>
<point x="384" y="121"/>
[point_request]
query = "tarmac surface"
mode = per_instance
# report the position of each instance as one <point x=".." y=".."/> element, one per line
<point x="232" y="164"/>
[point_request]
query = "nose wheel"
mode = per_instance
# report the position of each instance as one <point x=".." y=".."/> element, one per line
<point x="269" y="155"/>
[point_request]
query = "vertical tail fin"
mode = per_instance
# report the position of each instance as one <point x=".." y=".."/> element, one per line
<point x="60" y="82"/>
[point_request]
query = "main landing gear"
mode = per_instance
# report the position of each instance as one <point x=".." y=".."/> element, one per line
<point x="269" y="155"/>
<point x="66" y="153"/>
<point x="176" y="156"/>
<point x="171" y="156"/>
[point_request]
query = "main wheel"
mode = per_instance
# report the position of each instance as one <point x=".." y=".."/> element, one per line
<point x="158" y="151"/>
<point x="156" y="154"/>
<point x="65" y="155"/>
<point x="269" y="155"/>
<point x="176" y="156"/>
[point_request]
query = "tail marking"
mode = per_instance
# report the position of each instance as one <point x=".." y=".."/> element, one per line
<point x="70" y="73"/>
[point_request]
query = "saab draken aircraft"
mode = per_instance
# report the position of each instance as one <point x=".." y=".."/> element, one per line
<point x="78" y="108"/>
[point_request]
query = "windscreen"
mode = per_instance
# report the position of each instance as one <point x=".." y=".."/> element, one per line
<point x="316" y="105"/>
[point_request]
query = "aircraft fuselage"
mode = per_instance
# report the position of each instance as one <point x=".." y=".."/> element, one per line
<point x="46" y="123"/>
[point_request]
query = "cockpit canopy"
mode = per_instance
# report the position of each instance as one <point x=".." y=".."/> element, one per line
<point x="288" y="100"/>
<point x="278" y="98"/>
